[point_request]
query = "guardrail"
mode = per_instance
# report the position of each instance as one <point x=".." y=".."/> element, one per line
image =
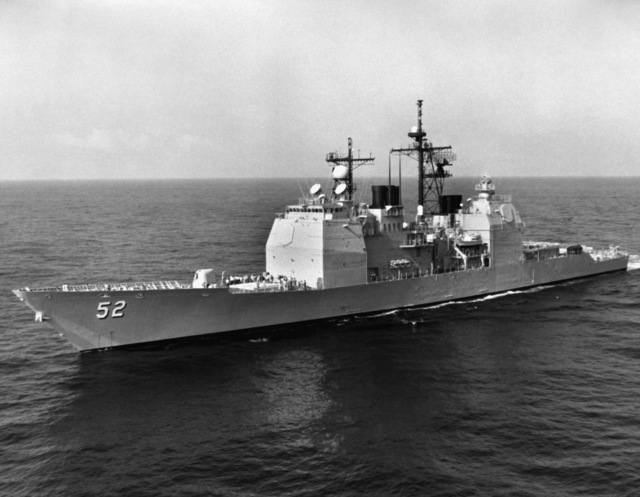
<point x="109" y="287"/>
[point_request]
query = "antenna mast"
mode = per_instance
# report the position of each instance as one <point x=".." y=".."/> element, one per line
<point x="431" y="163"/>
<point x="349" y="162"/>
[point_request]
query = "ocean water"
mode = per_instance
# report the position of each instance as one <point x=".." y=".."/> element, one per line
<point x="533" y="393"/>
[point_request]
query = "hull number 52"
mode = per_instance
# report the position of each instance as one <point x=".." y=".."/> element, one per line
<point x="116" y="312"/>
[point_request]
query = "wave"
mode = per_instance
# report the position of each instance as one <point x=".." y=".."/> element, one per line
<point x="634" y="262"/>
<point x="486" y="298"/>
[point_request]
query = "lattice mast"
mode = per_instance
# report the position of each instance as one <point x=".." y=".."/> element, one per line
<point x="343" y="166"/>
<point x="431" y="163"/>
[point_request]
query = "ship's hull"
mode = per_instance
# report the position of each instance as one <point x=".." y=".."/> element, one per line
<point x="96" y="320"/>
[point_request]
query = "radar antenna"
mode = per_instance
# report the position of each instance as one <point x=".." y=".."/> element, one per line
<point x="431" y="163"/>
<point x="343" y="166"/>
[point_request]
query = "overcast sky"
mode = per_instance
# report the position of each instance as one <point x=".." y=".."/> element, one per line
<point x="168" y="89"/>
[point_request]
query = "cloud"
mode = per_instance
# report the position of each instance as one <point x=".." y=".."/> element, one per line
<point x="188" y="143"/>
<point x="115" y="141"/>
<point x="97" y="139"/>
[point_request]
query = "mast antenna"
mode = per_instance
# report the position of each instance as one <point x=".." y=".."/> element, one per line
<point x="343" y="166"/>
<point x="431" y="163"/>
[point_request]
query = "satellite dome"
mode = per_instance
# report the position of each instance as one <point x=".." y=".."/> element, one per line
<point x="340" y="172"/>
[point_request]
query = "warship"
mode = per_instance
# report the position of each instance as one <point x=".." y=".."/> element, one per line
<point x="328" y="256"/>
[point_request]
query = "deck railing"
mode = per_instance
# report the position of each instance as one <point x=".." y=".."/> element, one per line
<point x="114" y="287"/>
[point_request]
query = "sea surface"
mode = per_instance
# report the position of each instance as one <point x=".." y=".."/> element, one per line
<point x="533" y="393"/>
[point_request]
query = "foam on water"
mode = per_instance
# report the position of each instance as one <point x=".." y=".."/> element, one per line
<point x="634" y="262"/>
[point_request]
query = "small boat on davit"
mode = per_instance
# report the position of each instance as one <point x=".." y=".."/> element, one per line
<point x="328" y="256"/>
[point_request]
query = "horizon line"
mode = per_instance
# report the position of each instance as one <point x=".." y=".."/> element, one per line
<point x="256" y="178"/>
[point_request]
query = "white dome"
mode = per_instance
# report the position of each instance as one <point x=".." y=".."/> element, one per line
<point x="316" y="189"/>
<point x="340" y="172"/>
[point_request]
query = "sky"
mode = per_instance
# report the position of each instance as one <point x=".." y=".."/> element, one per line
<point x="122" y="89"/>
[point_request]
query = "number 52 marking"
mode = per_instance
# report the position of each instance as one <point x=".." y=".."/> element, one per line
<point x="117" y="312"/>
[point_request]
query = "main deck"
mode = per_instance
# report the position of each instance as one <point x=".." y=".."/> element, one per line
<point x="533" y="251"/>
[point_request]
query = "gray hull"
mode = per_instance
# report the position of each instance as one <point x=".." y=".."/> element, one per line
<point x="96" y="320"/>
